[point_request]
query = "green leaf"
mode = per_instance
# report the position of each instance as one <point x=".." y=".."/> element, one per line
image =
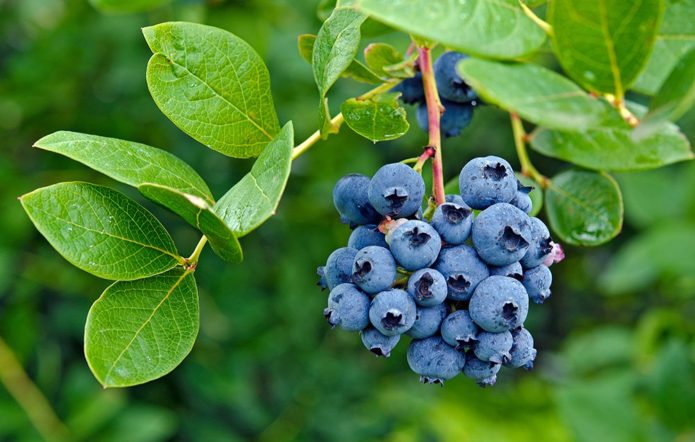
<point x="584" y="208"/>
<point x="138" y="331"/>
<point x="334" y="50"/>
<point x="213" y="86"/>
<point x="356" y="71"/>
<point x="675" y="97"/>
<point x="537" y="94"/>
<point x="612" y="147"/>
<point x="378" y="119"/>
<point x="493" y="29"/>
<point x="536" y="194"/>
<point x="604" y="44"/>
<point x="675" y="38"/>
<point x="198" y="213"/>
<point x="255" y="197"/>
<point x="379" y="56"/>
<point x="101" y="231"/>
<point x="126" y="6"/>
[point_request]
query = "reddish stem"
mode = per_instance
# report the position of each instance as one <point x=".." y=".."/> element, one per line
<point x="434" y="112"/>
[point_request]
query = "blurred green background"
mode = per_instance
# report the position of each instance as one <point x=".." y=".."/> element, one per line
<point x="616" y="341"/>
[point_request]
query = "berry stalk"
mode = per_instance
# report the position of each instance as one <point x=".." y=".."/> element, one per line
<point x="527" y="168"/>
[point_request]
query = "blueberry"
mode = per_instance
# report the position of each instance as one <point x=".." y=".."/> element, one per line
<point x="453" y="222"/>
<point x="459" y="330"/>
<point x="450" y="85"/>
<point x="498" y="304"/>
<point x="455" y="118"/>
<point x="322" y="282"/>
<point x="351" y="200"/>
<point x="411" y="89"/>
<point x="486" y="181"/>
<point x="456" y="199"/>
<point x="377" y="343"/>
<point x="494" y="347"/>
<point x="434" y="360"/>
<point x="427" y="321"/>
<point x="521" y="199"/>
<point x="501" y="234"/>
<point x="462" y="269"/>
<point x="392" y="312"/>
<point x="364" y="236"/>
<point x="522" y="353"/>
<point x="396" y="190"/>
<point x="540" y="244"/>
<point x="415" y="244"/>
<point x="483" y="372"/>
<point x="374" y="269"/>
<point x="348" y="308"/>
<point x="537" y="282"/>
<point x="338" y="268"/>
<point x="428" y="287"/>
<point x="512" y="270"/>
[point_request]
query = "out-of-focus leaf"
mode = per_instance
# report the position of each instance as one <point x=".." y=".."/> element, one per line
<point x="598" y="350"/>
<point x="126" y="6"/>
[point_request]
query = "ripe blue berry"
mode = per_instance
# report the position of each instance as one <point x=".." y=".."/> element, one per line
<point x="456" y="199"/>
<point x="512" y="270"/>
<point x="427" y="321"/>
<point x="499" y="304"/>
<point x="450" y="85"/>
<point x="428" y="287"/>
<point x="411" y="89"/>
<point x="522" y="353"/>
<point x="459" y="330"/>
<point x="462" y="269"/>
<point x="521" y="199"/>
<point x="351" y="200"/>
<point x="494" y="347"/>
<point x="434" y="360"/>
<point x="338" y="268"/>
<point x="364" y="236"/>
<point x="453" y="222"/>
<point x="483" y="372"/>
<point x="456" y="117"/>
<point x="415" y="244"/>
<point x="501" y="234"/>
<point x="374" y="269"/>
<point x="377" y="343"/>
<point x="537" y="282"/>
<point x="348" y="308"/>
<point x="322" y="282"/>
<point x="396" y="190"/>
<point x="392" y="312"/>
<point x="486" y="181"/>
<point x="539" y="244"/>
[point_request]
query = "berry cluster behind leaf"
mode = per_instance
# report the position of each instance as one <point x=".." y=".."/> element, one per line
<point x="458" y="285"/>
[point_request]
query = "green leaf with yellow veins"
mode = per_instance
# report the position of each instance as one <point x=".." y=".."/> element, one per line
<point x="378" y="119"/>
<point x="356" y="71"/>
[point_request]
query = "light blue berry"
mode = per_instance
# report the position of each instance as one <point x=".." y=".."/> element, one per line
<point x="537" y="283"/>
<point x="392" y="312"/>
<point x="377" y="343"/>
<point x="513" y="270"/>
<point x="498" y="304"/>
<point x="415" y="244"/>
<point x="348" y="308"/>
<point x="462" y="269"/>
<point x="374" y="269"/>
<point x="365" y="236"/>
<point x="501" y="234"/>
<point x="483" y="372"/>
<point x="351" y="200"/>
<point x="486" y="181"/>
<point x="540" y="244"/>
<point x="450" y="85"/>
<point x="521" y="199"/>
<point x="338" y="268"/>
<point x="453" y="222"/>
<point x="494" y="347"/>
<point x="427" y="321"/>
<point x="459" y="330"/>
<point x="428" y="287"/>
<point x="522" y="352"/>
<point x="434" y="360"/>
<point x="396" y="190"/>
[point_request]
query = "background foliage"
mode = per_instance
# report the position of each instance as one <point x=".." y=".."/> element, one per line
<point x="617" y="345"/>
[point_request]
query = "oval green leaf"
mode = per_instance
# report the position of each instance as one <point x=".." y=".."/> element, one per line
<point x="356" y="71"/>
<point x="537" y="94"/>
<point x="138" y="331"/>
<point x="101" y="231"/>
<point x="381" y="55"/>
<point x="604" y="44"/>
<point x="493" y="29"/>
<point x="584" y="208"/>
<point x="213" y="86"/>
<point x="378" y="119"/>
<point x="256" y="196"/>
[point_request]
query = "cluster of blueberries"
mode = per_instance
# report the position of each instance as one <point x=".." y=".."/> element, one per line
<point x="459" y="285"/>
<point x="457" y="97"/>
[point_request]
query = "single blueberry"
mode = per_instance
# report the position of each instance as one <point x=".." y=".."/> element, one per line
<point x="364" y="236"/>
<point x="428" y="287"/>
<point x="513" y="270"/>
<point x="396" y="190"/>
<point x="498" y="304"/>
<point x="450" y="85"/>
<point x="540" y="244"/>
<point x="521" y="199"/>
<point x="459" y="330"/>
<point x="453" y="222"/>
<point x="537" y="282"/>
<point x="501" y="234"/>
<point x="462" y="269"/>
<point x="377" y="343"/>
<point x="374" y="269"/>
<point x="522" y="353"/>
<point x="494" y="347"/>
<point x="434" y="360"/>
<point x="483" y="372"/>
<point x="485" y="181"/>
<point x="338" y="268"/>
<point x="415" y="244"/>
<point x="348" y="308"/>
<point x="411" y="89"/>
<point x="427" y="321"/>
<point x="456" y="117"/>
<point x="351" y="199"/>
<point x="456" y="199"/>
<point x="392" y="312"/>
